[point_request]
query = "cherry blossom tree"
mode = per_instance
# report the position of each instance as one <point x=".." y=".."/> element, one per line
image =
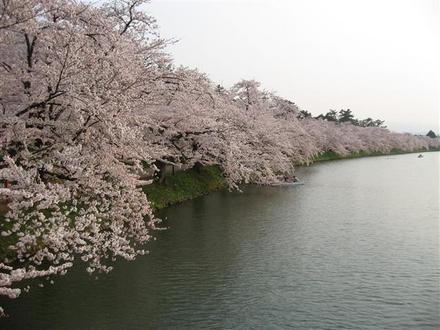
<point x="72" y="78"/>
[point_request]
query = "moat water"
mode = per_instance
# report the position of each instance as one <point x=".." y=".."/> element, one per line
<point x="356" y="247"/>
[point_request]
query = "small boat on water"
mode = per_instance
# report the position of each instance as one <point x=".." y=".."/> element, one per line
<point x="420" y="156"/>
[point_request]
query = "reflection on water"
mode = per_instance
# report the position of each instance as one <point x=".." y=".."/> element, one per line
<point x="354" y="248"/>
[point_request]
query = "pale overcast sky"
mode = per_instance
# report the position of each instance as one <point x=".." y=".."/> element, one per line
<point x="379" y="58"/>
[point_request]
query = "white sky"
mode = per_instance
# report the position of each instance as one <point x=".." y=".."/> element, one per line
<point x="380" y="58"/>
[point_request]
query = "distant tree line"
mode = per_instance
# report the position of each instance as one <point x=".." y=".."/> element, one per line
<point x="431" y="134"/>
<point x="344" y="116"/>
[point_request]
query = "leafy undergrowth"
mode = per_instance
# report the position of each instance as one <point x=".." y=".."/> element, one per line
<point x="184" y="185"/>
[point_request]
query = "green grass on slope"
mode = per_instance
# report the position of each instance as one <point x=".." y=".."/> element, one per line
<point x="331" y="155"/>
<point x="184" y="185"/>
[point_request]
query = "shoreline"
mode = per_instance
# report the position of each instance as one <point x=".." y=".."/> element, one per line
<point x="331" y="155"/>
<point x="194" y="183"/>
<point x="191" y="184"/>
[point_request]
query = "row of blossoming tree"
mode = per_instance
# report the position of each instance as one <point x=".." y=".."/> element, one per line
<point x="88" y="98"/>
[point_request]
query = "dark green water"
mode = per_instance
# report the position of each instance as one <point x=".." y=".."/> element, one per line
<point x="357" y="247"/>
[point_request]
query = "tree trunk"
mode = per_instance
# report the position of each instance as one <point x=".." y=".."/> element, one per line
<point x="198" y="167"/>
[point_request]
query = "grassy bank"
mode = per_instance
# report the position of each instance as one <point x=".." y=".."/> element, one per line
<point x="331" y="155"/>
<point x="184" y="185"/>
<point x="191" y="184"/>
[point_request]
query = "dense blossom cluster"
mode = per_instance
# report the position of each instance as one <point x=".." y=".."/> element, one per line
<point x="89" y="100"/>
